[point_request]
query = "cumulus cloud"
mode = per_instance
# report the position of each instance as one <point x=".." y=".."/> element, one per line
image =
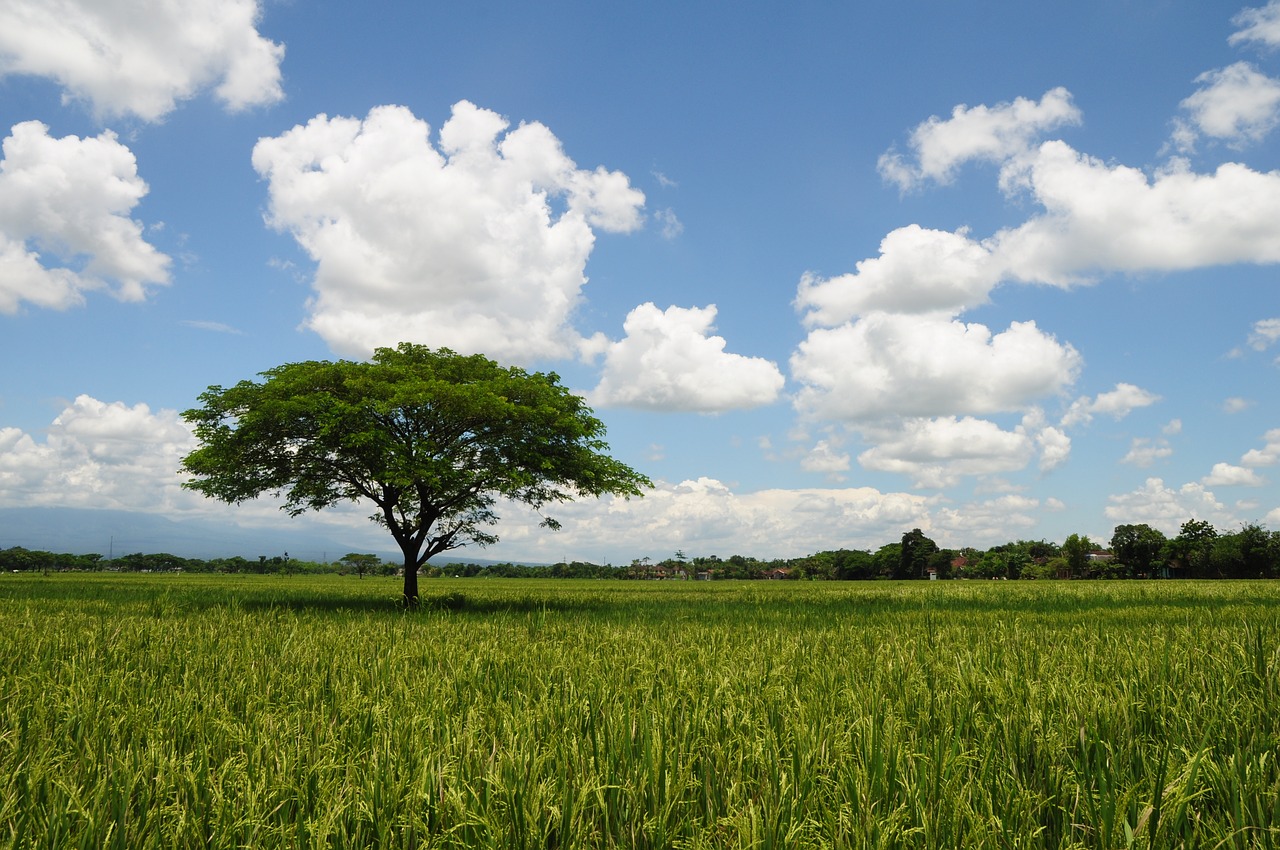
<point x="988" y="522"/>
<point x="117" y="456"/>
<point x="1259" y="25"/>
<point x="98" y="455"/>
<point x="1167" y="508"/>
<point x="993" y="134"/>
<point x="1101" y="217"/>
<point x="669" y="360"/>
<point x="1117" y="404"/>
<point x="141" y="58"/>
<point x="1236" y="404"/>
<point x="935" y="453"/>
<point x="1237" y="104"/>
<point x="1096" y="218"/>
<point x="918" y="271"/>
<point x="1268" y="455"/>
<point x="68" y="199"/>
<point x="1055" y="448"/>
<point x="1264" y="335"/>
<point x="885" y="341"/>
<point x="887" y="364"/>
<point x="1230" y="475"/>
<point x="705" y="515"/>
<point x="1144" y="452"/>
<point x="479" y="244"/>
<point x="826" y="457"/>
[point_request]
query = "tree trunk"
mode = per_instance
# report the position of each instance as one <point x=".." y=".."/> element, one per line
<point x="410" y="582"/>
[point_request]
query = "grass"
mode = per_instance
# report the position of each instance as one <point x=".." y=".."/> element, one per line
<point x="247" y="711"/>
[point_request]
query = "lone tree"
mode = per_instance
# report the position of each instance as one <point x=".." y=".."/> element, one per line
<point x="431" y="438"/>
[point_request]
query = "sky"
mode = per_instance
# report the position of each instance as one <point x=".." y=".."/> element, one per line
<point x="827" y="272"/>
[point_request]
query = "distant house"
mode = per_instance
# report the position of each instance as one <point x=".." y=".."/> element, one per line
<point x="778" y="573"/>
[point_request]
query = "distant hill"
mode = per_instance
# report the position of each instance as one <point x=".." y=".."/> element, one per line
<point x="81" y="531"/>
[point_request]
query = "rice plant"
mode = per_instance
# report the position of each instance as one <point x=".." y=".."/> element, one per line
<point x="249" y="711"/>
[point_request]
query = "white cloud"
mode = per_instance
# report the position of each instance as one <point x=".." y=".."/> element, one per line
<point x="670" y="361"/>
<point x="936" y="453"/>
<point x="216" y="327"/>
<point x="1237" y="104"/>
<point x="887" y="365"/>
<point x="1109" y="218"/>
<point x="98" y="455"/>
<point x="986" y="523"/>
<point x="1172" y="427"/>
<point x="1166" y="508"/>
<point x="1229" y="475"/>
<point x="1268" y="455"/>
<point x="1096" y="218"/>
<point x="1261" y="25"/>
<point x="992" y="134"/>
<point x="918" y="271"/>
<point x="142" y="57"/>
<point x="1055" y="448"/>
<point x="1144" y="452"/>
<point x="1264" y="335"/>
<point x="706" y="516"/>
<point x="460" y="246"/>
<point x="1235" y="404"/>
<point x="1117" y="403"/>
<point x="70" y="199"/>
<point x="671" y="225"/>
<point x="826" y="457"/>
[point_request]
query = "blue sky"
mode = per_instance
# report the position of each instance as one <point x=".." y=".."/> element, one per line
<point x="827" y="273"/>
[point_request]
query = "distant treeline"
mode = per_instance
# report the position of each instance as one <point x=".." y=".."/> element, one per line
<point x="1134" y="551"/>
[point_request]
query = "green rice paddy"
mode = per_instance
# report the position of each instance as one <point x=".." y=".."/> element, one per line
<point x="161" y="711"/>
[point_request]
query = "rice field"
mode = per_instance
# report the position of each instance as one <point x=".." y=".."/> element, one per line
<point x="161" y="711"/>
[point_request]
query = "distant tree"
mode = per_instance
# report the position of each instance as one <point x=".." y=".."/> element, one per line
<point x="361" y="564"/>
<point x="1193" y="547"/>
<point x="1076" y="549"/>
<point x="887" y="560"/>
<point x="851" y="564"/>
<point x="915" y="554"/>
<point x="431" y="438"/>
<point x="1242" y="554"/>
<point x="1138" y="546"/>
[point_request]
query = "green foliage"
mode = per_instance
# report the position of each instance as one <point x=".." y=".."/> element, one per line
<point x="1193" y="547"/>
<point x="431" y="438"/>
<point x="1076" y="549"/>
<point x="1138" y="546"/>
<point x="913" y="557"/>
<point x="215" y="711"/>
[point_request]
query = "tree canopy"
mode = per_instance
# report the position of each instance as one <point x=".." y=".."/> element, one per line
<point x="430" y="437"/>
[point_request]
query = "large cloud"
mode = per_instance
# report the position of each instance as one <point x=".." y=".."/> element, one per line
<point x="1167" y="508"/>
<point x="1117" y="404"/>
<point x="142" y="57"/>
<point x="918" y="271"/>
<point x="993" y="134"/>
<point x="98" y="455"/>
<point x="937" y="452"/>
<point x="895" y="365"/>
<point x="1236" y="104"/>
<point x="1268" y="455"/>
<point x="705" y="516"/>
<point x="669" y="361"/>
<point x="1258" y="25"/>
<point x="479" y="244"/>
<point x="885" y="341"/>
<point x="70" y="199"/>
